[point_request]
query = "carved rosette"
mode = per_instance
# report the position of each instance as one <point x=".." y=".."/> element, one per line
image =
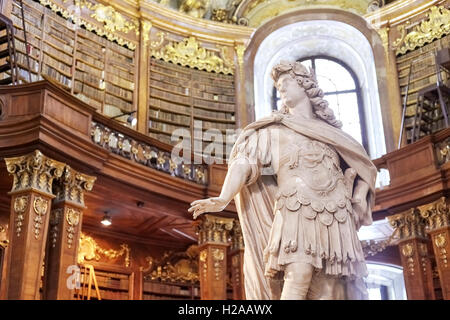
<point x="213" y="229"/>
<point x="436" y="214"/>
<point x="409" y="224"/>
<point x="40" y="207"/>
<point x="20" y="206"/>
<point x="73" y="219"/>
<point x="34" y="171"/>
<point x="55" y="218"/>
<point x="72" y="186"/>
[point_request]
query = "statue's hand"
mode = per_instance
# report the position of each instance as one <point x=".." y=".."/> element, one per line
<point x="215" y="204"/>
<point x="359" y="199"/>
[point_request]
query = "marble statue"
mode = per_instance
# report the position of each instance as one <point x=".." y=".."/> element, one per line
<point x="302" y="188"/>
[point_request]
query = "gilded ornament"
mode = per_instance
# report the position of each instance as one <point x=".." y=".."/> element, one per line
<point x="20" y="205"/>
<point x="440" y="241"/>
<point x="89" y="250"/>
<point x="112" y="20"/>
<point x="189" y="53"/>
<point x="194" y="8"/>
<point x="407" y="250"/>
<point x="146" y="26"/>
<point x="436" y="26"/>
<point x="179" y="267"/>
<point x="34" y="171"/>
<point x="40" y="206"/>
<point x="218" y="256"/>
<point x="73" y="218"/>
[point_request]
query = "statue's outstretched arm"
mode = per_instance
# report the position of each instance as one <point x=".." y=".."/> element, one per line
<point x="237" y="175"/>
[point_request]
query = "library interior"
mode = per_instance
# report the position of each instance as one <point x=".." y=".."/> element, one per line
<point x="115" y="116"/>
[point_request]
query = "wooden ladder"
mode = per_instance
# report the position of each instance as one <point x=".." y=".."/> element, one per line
<point x="85" y="291"/>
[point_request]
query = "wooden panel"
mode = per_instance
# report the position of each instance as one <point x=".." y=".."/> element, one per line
<point x="66" y="114"/>
<point x="24" y="104"/>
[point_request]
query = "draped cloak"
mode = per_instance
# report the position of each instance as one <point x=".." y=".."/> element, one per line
<point x="255" y="201"/>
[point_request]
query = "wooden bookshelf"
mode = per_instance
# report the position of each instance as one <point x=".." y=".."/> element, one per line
<point x="100" y="72"/>
<point x="158" y="290"/>
<point x="112" y="284"/>
<point x="423" y="74"/>
<point x="179" y="96"/>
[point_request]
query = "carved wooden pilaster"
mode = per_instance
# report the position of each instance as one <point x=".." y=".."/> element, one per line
<point x="237" y="261"/>
<point x="413" y="246"/>
<point x="437" y="215"/>
<point x="64" y="232"/>
<point x="31" y="197"/>
<point x="213" y="235"/>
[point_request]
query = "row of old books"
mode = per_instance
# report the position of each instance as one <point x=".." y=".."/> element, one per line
<point x="57" y="47"/>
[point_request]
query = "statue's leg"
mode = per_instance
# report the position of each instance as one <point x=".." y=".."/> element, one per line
<point x="297" y="278"/>
<point x="325" y="287"/>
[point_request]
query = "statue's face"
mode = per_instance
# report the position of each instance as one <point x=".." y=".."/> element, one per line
<point x="291" y="93"/>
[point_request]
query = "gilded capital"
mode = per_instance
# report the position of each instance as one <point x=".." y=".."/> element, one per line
<point x="72" y="186"/>
<point x="409" y="224"/>
<point x="34" y="171"/>
<point x="213" y="229"/>
<point x="436" y="214"/>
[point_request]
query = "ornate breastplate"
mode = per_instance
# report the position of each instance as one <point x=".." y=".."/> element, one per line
<point x="313" y="178"/>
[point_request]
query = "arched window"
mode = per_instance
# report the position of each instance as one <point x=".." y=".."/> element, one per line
<point x="341" y="90"/>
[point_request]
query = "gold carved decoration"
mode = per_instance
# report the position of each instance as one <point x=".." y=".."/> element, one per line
<point x="73" y="185"/>
<point x="237" y="239"/>
<point x="441" y="242"/>
<point x="40" y="207"/>
<point x="436" y="214"/>
<point x="218" y="256"/>
<point x="194" y="8"/>
<point x="4" y="242"/>
<point x="408" y="252"/>
<point x="436" y="26"/>
<point x="73" y="219"/>
<point x="20" y="206"/>
<point x="55" y="219"/>
<point x="34" y="171"/>
<point x="423" y="253"/>
<point x="409" y="224"/>
<point x="90" y="250"/>
<point x="203" y="256"/>
<point x="146" y="27"/>
<point x="113" y="21"/>
<point x="188" y="52"/>
<point x="174" y="267"/>
<point x="213" y="229"/>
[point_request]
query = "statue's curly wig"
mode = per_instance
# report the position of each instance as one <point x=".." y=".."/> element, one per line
<point x="307" y="80"/>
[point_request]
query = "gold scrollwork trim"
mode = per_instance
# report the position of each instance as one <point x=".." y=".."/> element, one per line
<point x="111" y="19"/>
<point x="188" y="52"/>
<point x="440" y="241"/>
<point x="434" y="27"/>
<point x="55" y="218"/>
<point x="89" y="250"/>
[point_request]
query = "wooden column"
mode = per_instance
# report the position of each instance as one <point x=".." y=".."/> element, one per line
<point x="237" y="261"/>
<point x="31" y="197"/>
<point x="438" y="226"/>
<point x="143" y="79"/>
<point x="213" y="243"/>
<point x="413" y="243"/>
<point x="64" y="233"/>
